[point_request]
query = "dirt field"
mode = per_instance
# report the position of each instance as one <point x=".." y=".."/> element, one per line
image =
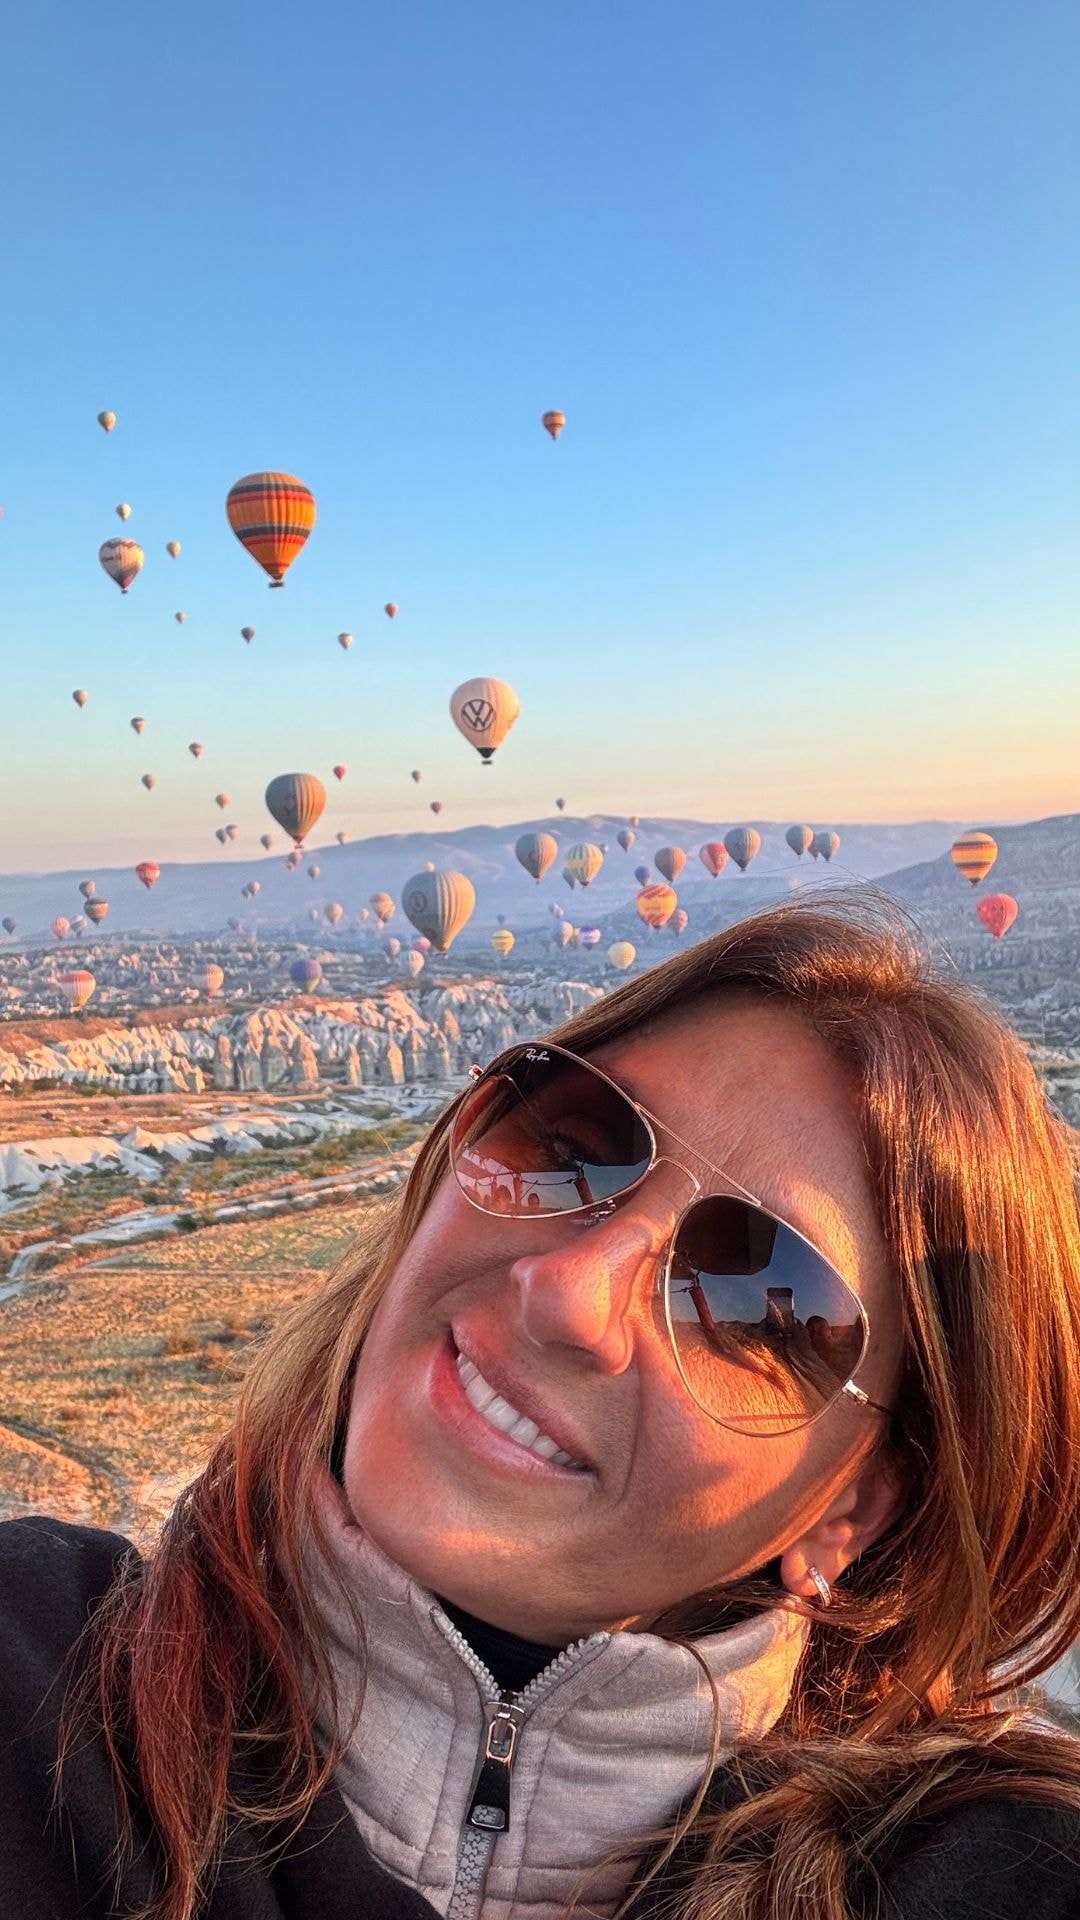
<point x="117" y="1377"/>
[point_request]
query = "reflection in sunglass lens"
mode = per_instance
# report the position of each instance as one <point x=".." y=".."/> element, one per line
<point x="766" y="1332"/>
<point x="545" y="1134"/>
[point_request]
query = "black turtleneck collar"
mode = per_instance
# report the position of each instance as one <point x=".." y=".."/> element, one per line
<point x="512" y="1661"/>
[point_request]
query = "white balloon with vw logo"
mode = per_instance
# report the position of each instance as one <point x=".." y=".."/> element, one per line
<point x="484" y="711"/>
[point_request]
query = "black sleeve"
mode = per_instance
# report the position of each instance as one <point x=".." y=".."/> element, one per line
<point x="51" y="1577"/>
<point x="987" y="1860"/>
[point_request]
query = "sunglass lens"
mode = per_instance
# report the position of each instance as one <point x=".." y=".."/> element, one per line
<point x="542" y="1133"/>
<point x="765" y="1330"/>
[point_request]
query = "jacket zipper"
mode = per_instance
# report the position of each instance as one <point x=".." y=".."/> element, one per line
<point x="489" y="1808"/>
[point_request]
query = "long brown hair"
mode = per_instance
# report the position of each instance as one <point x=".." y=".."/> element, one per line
<point x="203" y="1658"/>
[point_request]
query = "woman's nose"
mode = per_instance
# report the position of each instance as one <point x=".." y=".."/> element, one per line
<point x="587" y="1290"/>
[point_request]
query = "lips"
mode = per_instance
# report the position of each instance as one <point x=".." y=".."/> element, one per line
<point x="520" y="1400"/>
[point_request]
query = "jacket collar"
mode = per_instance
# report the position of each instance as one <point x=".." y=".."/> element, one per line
<point x="614" y="1735"/>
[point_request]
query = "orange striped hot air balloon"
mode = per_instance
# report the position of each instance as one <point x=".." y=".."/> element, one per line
<point x="77" y="987"/>
<point x="713" y="856"/>
<point x="271" y="515"/>
<point x="973" y="855"/>
<point x="656" y="905"/>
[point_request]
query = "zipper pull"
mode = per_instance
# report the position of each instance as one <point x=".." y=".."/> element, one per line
<point x="490" y="1808"/>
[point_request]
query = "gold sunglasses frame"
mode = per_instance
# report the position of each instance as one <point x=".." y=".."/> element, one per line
<point x="848" y="1390"/>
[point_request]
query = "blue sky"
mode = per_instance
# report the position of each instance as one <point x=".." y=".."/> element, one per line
<point x="804" y="278"/>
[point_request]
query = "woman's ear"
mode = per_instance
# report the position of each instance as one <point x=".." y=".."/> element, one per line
<point x="857" y="1517"/>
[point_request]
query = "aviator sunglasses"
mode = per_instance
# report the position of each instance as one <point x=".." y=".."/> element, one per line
<point x="767" y="1335"/>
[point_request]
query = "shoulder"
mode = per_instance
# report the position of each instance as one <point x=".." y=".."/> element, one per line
<point x="992" y="1859"/>
<point x="51" y="1577"/>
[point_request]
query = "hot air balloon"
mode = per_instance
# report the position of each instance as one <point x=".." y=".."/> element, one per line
<point x="292" y="861"/>
<point x="997" y="913"/>
<point x="974" y="855"/>
<point x="221" y="800"/>
<point x="220" y="835"/>
<point x="179" y="618"/>
<point x="174" y="548"/>
<point x="680" y="920"/>
<point x="138" y="725"/>
<point x="344" y="641"/>
<point x="536" y="852"/>
<point x="584" y="861"/>
<point x="78" y="925"/>
<point x="333" y="913"/>
<point x="713" y="857"/>
<point x="391" y="609"/>
<point x="742" y="843"/>
<point x="484" y="712"/>
<point x="416" y="775"/>
<point x="305" y="973"/>
<point x="382" y="907"/>
<point x="9" y="925"/>
<point x="561" y="804"/>
<point x="412" y="962"/>
<point x="825" y="844"/>
<point x="503" y="941"/>
<point x="122" y="561"/>
<point x="313" y="916"/>
<point x="656" y="905"/>
<point x="439" y="904"/>
<point x="314" y="872"/>
<point x="80" y="696"/>
<point x="107" y="420"/>
<point x="248" y="634"/>
<point x="553" y="423"/>
<point x="626" y="837"/>
<point x="669" y="861"/>
<point x="296" y="801"/>
<point x="123" y="511"/>
<point x="436" y="806"/>
<point x="266" y="840"/>
<point x="643" y="875"/>
<point x="231" y="832"/>
<point x="562" y="934"/>
<point x="271" y="515"/>
<point x="341" y="837"/>
<point x="391" y="947"/>
<point x="799" y="839"/>
<point x="87" y="888"/>
<point x="77" y="987"/>
<point x="589" y="936"/>
<point x="339" y="772"/>
<point x="60" y="928"/>
<point x="96" y="911"/>
<point x="213" y="978"/>
<point x="622" y="955"/>
<point x="569" y="878"/>
<point x="195" y="748"/>
<point x="149" y="781"/>
<point x="147" y="871"/>
<point x="635" y="819"/>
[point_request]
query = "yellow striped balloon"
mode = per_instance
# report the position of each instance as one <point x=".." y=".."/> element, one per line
<point x="271" y="515"/>
<point x="974" y="855"/>
<point x="584" y="862"/>
<point x="503" y="941"/>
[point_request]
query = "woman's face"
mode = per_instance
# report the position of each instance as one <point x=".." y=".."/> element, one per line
<point x="565" y="1320"/>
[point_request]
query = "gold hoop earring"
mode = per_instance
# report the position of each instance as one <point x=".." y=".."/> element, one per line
<point x="822" y="1585"/>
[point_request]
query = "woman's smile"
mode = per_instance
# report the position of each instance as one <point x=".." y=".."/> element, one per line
<point x="495" y="1429"/>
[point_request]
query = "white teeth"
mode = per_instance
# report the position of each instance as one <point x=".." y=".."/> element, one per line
<point x="500" y="1414"/>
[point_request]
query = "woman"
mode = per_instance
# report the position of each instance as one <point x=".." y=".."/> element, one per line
<point x="657" y="1514"/>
